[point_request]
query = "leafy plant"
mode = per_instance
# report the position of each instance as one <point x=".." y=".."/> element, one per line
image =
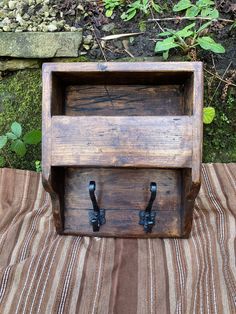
<point x="220" y="137"/>
<point x="187" y="39"/>
<point x="208" y="114"/>
<point x="18" y="142"/>
<point x="203" y="8"/>
<point x="38" y="166"/>
<point x="110" y="5"/>
<point x="143" y="6"/>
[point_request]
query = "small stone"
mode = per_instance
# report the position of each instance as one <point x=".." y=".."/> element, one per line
<point x="19" y="18"/>
<point x="6" y="21"/>
<point x="86" y="47"/>
<point x="6" y="28"/>
<point x="12" y="5"/>
<point x="26" y="17"/>
<point x="80" y="7"/>
<point x="67" y="27"/>
<point x="108" y="27"/>
<point x="73" y="29"/>
<point x="52" y="27"/>
<point x="88" y="39"/>
<point x="95" y="46"/>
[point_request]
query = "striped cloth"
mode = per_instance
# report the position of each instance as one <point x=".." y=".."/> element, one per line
<point x="41" y="272"/>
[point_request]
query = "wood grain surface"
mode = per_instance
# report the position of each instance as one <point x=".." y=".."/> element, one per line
<point x="124" y="100"/>
<point x="122" y="141"/>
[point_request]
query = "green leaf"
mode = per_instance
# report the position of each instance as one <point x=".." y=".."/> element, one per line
<point x="3" y="141"/>
<point x="19" y="148"/>
<point x="208" y="43"/>
<point x="185" y="32"/>
<point x="156" y="7"/>
<point x="166" y="44"/>
<point x="16" y="129"/>
<point x="205" y="25"/>
<point x="164" y="34"/>
<point x="33" y="137"/>
<point x="165" y="55"/>
<point x="204" y="3"/>
<point x="128" y="16"/>
<point x="2" y="162"/>
<point x="11" y="136"/>
<point x="214" y="14"/>
<point x="192" y="11"/>
<point x="38" y="166"/>
<point x="182" y="5"/>
<point x="142" y="26"/>
<point x="109" y="13"/>
<point x="208" y="114"/>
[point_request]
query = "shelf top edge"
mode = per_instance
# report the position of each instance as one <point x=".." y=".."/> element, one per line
<point x="102" y="67"/>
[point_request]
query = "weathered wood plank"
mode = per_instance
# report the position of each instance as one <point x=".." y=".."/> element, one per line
<point x="122" y="141"/>
<point x="123" y="188"/>
<point x="147" y="67"/>
<point x="124" y="100"/>
<point x="123" y="223"/>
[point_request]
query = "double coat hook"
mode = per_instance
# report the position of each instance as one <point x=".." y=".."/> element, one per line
<point x="97" y="215"/>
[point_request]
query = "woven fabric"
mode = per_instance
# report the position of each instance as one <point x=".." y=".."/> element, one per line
<point x="42" y="272"/>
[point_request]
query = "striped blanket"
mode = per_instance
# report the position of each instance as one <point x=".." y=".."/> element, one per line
<point x="42" y="272"/>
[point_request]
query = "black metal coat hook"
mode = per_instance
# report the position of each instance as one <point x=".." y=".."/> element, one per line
<point x="96" y="215"/>
<point x="147" y="216"/>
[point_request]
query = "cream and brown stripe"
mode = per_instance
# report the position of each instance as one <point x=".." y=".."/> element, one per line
<point x="41" y="272"/>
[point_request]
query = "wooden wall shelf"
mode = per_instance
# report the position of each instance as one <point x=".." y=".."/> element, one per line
<point x="122" y="126"/>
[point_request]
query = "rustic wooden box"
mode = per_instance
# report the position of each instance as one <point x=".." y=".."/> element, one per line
<point x="124" y="126"/>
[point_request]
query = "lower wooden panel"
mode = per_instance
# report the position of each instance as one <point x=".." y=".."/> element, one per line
<point x="122" y="193"/>
<point x="123" y="223"/>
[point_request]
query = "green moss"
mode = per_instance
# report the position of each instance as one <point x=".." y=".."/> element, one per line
<point x="20" y="100"/>
<point x="220" y="136"/>
<point x="66" y="60"/>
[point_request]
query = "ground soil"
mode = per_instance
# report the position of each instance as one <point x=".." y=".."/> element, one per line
<point x="94" y="20"/>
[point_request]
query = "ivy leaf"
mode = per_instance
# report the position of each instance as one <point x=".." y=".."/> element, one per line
<point x="208" y="43"/>
<point x="11" y="136"/>
<point x="19" y="148"/>
<point x="208" y="114"/>
<point x="165" y="44"/>
<point x="2" y="162"/>
<point x="33" y="137"/>
<point x="16" y="129"/>
<point x="182" y="5"/>
<point x="3" y="141"/>
<point x="192" y="11"/>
